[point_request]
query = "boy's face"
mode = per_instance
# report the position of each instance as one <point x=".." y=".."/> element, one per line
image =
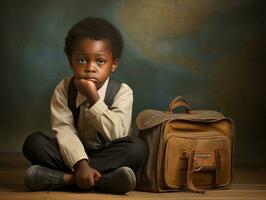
<point x="92" y="60"/>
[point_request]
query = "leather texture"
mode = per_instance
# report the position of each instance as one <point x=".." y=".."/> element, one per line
<point x="188" y="150"/>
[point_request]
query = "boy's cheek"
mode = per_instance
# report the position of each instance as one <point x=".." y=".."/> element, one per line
<point x="78" y="75"/>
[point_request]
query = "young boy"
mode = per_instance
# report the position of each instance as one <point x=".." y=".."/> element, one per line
<point x="91" y="119"/>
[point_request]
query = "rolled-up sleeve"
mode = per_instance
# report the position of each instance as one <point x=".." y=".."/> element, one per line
<point x="71" y="148"/>
<point x="114" y="122"/>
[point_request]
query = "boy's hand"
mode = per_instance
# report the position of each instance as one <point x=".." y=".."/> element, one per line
<point x="86" y="176"/>
<point x="88" y="89"/>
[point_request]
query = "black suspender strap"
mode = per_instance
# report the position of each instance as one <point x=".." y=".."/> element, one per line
<point x="71" y="101"/>
<point x="111" y="91"/>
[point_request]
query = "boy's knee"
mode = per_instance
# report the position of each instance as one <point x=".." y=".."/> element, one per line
<point x="32" y="143"/>
<point x="138" y="150"/>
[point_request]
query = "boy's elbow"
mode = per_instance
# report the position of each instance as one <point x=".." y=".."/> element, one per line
<point x="117" y="130"/>
<point x="124" y="130"/>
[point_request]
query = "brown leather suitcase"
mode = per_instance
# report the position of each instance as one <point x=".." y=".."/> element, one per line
<point x="191" y="150"/>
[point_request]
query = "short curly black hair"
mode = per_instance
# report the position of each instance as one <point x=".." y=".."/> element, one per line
<point x="94" y="28"/>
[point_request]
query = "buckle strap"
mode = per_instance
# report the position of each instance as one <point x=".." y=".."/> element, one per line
<point x="190" y="173"/>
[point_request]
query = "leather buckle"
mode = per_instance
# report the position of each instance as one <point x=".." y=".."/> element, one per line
<point x="204" y="160"/>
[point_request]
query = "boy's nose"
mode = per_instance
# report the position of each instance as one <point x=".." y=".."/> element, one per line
<point x="89" y="68"/>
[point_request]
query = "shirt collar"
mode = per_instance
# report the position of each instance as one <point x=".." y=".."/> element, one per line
<point x="101" y="91"/>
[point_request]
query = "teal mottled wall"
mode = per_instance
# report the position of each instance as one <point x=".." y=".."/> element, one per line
<point x="211" y="51"/>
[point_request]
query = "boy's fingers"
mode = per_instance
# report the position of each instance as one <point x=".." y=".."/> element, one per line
<point x="84" y="184"/>
<point x="97" y="175"/>
<point x="79" y="183"/>
<point x="91" y="182"/>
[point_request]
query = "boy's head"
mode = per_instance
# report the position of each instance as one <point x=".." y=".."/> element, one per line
<point x="97" y="29"/>
<point x="93" y="47"/>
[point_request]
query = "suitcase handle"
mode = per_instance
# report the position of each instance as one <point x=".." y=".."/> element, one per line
<point x="179" y="101"/>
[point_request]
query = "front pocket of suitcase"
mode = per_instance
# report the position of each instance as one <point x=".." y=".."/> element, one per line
<point x="174" y="166"/>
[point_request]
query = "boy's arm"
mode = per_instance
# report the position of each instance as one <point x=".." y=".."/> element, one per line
<point x="70" y="146"/>
<point x="115" y="122"/>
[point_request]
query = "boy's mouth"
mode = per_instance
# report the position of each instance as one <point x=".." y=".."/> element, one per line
<point x="90" y="78"/>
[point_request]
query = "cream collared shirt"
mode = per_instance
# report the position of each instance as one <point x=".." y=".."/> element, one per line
<point x="111" y="123"/>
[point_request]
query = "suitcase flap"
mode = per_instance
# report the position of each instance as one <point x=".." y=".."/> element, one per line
<point x="151" y="118"/>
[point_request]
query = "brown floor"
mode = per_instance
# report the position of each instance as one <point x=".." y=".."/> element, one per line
<point x="249" y="183"/>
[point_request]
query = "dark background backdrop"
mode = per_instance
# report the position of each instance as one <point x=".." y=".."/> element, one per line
<point x="212" y="52"/>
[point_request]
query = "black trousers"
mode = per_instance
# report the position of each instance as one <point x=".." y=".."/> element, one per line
<point x="41" y="149"/>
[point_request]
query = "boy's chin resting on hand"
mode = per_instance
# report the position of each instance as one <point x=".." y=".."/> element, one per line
<point x="88" y="89"/>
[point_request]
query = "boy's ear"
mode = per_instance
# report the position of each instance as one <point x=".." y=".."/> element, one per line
<point x="115" y="64"/>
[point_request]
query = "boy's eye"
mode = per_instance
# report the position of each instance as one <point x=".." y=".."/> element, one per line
<point x="100" y="61"/>
<point x="82" y="60"/>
